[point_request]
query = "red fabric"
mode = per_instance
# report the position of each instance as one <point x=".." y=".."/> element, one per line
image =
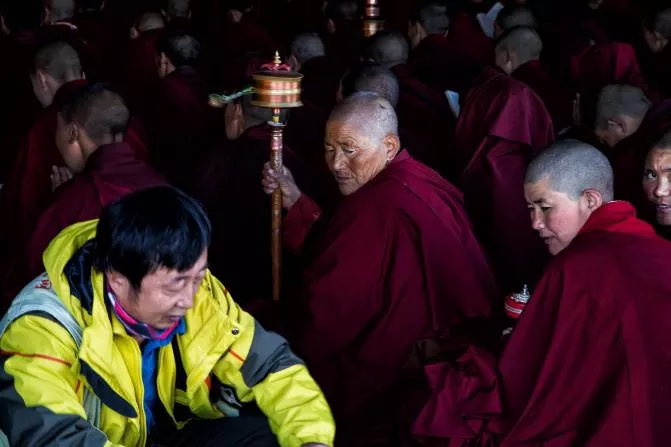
<point x="502" y="126"/>
<point x="112" y="172"/>
<point x="380" y="283"/>
<point x="588" y="362"/>
<point x="557" y="98"/>
<point x="141" y="73"/>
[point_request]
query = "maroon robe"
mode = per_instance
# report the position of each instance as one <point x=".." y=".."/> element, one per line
<point x="112" y="172"/>
<point x="503" y="124"/>
<point x="557" y="98"/>
<point x="660" y="71"/>
<point x="586" y="365"/>
<point x="381" y="282"/>
<point x="141" y="72"/>
<point x="321" y="80"/>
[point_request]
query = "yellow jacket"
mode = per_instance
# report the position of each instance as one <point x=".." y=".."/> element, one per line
<point x="43" y="374"/>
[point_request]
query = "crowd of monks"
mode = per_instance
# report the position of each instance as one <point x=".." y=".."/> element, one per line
<point x="475" y="216"/>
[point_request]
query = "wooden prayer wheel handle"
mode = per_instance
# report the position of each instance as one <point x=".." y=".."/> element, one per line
<point x="276" y="207"/>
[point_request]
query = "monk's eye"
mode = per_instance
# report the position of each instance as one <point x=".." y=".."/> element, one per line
<point x="348" y="150"/>
<point x="649" y="175"/>
<point x="545" y="209"/>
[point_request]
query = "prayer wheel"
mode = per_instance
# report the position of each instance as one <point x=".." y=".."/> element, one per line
<point x="276" y="87"/>
<point x="372" y="22"/>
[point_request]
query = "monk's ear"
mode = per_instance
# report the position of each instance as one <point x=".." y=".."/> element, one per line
<point x="392" y="145"/>
<point x="593" y="199"/>
<point x="134" y="33"/>
<point x="73" y="133"/>
<point x="293" y="63"/>
<point x="330" y="26"/>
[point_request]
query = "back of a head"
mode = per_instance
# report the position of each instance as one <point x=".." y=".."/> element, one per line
<point x="100" y="111"/>
<point x="307" y="46"/>
<point x="372" y="114"/>
<point x="181" y="48"/>
<point x="148" y="230"/>
<point x="523" y="42"/>
<point x="22" y="16"/>
<point x="375" y="79"/>
<point x="61" y="10"/>
<point x="620" y="100"/>
<point x="659" y="20"/>
<point x="572" y="167"/>
<point x="513" y="16"/>
<point x="59" y="60"/>
<point x="342" y="10"/>
<point x="178" y="8"/>
<point x="388" y="48"/>
<point x="149" y="21"/>
<point x="433" y="16"/>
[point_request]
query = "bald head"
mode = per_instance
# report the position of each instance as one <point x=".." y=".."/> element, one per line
<point x="660" y="22"/>
<point x="373" y="79"/>
<point x="373" y="115"/>
<point x="573" y="167"/>
<point x="149" y="21"/>
<point x="513" y="16"/>
<point x="178" y="8"/>
<point x="433" y="17"/>
<point x="522" y="44"/>
<point x="307" y="46"/>
<point x="60" y="10"/>
<point x="388" y="48"/>
<point x="180" y="48"/>
<point x="617" y="101"/>
<point x="58" y="60"/>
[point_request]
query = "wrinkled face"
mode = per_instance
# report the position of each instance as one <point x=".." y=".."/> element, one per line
<point x="164" y="296"/>
<point x="657" y="183"/>
<point x="556" y="217"/>
<point x="68" y="145"/>
<point x="353" y="158"/>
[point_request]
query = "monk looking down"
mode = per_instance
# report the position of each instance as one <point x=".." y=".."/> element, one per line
<point x="397" y="263"/>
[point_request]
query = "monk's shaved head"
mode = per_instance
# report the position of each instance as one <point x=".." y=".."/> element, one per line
<point x="664" y="143"/>
<point x="573" y="167"/>
<point x="307" y="46"/>
<point x="659" y="21"/>
<point x="374" y="79"/>
<point x="388" y="48"/>
<point x="149" y="21"/>
<point x="620" y="101"/>
<point x="178" y="8"/>
<point x="181" y="48"/>
<point x="373" y="115"/>
<point x="433" y="17"/>
<point x="524" y="42"/>
<point x="60" y="9"/>
<point x="101" y="112"/>
<point x="513" y="16"/>
<point x="60" y="61"/>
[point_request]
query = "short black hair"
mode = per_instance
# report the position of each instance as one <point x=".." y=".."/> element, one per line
<point x="180" y="47"/>
<point x="150" y="229"/>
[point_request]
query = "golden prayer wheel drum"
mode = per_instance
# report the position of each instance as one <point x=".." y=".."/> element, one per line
<point x="277" y="89"/>
<point x="371" y="27"/>
<point x="372" y="23"/>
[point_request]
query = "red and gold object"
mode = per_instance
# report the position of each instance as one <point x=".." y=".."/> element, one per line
<point x="515" y="303"/>
<point x="372" y="22"/>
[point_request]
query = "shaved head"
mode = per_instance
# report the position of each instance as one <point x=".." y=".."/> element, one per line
<point x="60" y="61"/>
<point x="178" y="8"/>
<point x="373" y="115"/>
<point x="181" y="48"/>
<point x="664" y="143"/>
<point x="99" y="111"/>
<point x="373" y="79"/>
<point x="573" y="167"/>
<point x="60" y="9"/>
<point x="620" y="100"/>
<point x="433" y="17"/>
<point x="388" y="48"/>
<point x="524" y="42"/>
<point x="660" y="22"/>
<point x="149" y="21"/>
<point x="307" y="46"/>
<point x="513" y="16"/>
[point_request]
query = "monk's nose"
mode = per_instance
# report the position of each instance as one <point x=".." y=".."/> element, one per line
<point x="662" y="188"/>
<point x="536" y="221"/>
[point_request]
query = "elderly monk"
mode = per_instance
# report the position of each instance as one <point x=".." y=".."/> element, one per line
<point x="587" y="363"/>
<point x="656" y="183"/>
<point x="657" y="32"/>
<point x="502" y="125"/>
<point x="513" y="16"/>
<point x="380" y="281"/>
<point x="518" y="53"/>
<point x="422" y="111"/>
<point x="92" y="123"/>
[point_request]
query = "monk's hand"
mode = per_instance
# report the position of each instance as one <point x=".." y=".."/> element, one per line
<point x="273" y="180"/>
<point x="59" y="175"/>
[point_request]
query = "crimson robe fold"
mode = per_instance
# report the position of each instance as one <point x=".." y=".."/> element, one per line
<point x="395" y="264"/>
<point x="503" y="124"/>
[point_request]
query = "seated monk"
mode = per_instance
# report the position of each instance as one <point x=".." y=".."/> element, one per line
<point x="518" y="53"/>
<point x="656" y="183"/>
<point x="90" y="134"/>
<point x="502" y="125"/>
<point x="422" y="111"/>
<point x="380" y="280"/>
<point x="166" y="357"/>
<point x="587" y="363"/>
<point x="179" y="121"/>
<point x="657" y="32"/>
<point x="511" y="17"/>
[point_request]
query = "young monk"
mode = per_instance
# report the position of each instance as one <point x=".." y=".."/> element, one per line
<point x="657" y="32"/>
<point x="518" y="53"/>
<point x="656" y="183"/>
<point x="380" y="281"/>
<point x="92" y="124"/>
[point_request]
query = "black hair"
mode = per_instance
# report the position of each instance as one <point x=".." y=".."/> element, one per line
<point x="154" y="228"/>
<point x="180" y="47"/>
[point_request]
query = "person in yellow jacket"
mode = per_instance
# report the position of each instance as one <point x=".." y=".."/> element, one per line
<point x="164" y="353"/>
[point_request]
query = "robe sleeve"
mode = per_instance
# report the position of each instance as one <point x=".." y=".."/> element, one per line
<point x="299" y="221"/>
